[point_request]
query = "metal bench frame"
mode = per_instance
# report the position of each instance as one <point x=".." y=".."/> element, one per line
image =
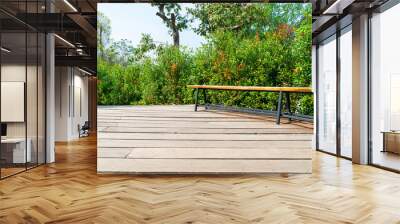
<point x="283" y="91"/>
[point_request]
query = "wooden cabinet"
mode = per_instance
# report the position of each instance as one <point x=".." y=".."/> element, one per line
<point x="391" y="142"/>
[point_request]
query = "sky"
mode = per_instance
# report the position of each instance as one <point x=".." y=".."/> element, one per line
<point x="130" y="20"/>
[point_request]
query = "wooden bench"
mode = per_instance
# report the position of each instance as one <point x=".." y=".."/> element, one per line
<point x="281" y="90"/>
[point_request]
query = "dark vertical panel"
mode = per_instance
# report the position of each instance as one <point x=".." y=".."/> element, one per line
<point x="73" y="91"/>
<point x="45" y="92"/>
<point x="317" y="97"/>
<point x="338" y="74"/>
<point x="37" y="90"/>
<point x="26" y="86"/>
<point x="1" y="53"/>
<point x="369" y="73"/>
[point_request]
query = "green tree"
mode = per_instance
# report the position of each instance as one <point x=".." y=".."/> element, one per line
<point x="103" y="33"/>
<point x="245" y="18"/>
<point x="241" y="17"/>
<point x="120" y="52"/>
<point x="145" y="46"/>
<point x="171" y="15"/>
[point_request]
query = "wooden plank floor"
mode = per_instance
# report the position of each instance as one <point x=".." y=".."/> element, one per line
<point x="71" y="191"/>
<point x="175" y="139"/>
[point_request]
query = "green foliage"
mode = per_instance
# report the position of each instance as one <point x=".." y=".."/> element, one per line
<point x="170" y="14"/>
<point x="118" y="84"/>
<point x="244" y="18"/>
<point x="269" y="52"/>
<point x="172" y="10"/>
<point x="103" y="33"/>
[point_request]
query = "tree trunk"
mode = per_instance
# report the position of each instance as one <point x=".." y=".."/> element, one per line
<point x="176" y="38"/>
<point x="171" y="23"/>
<point x="175" y="31"/>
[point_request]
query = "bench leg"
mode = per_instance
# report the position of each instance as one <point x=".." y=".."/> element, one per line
<point x="205" y="98"/>
<point x="288" y="105"/>
<point x="196" y="98"/>
<point x="279" y="109"/>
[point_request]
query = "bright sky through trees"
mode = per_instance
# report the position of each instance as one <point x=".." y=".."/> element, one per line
<point x="129" y="21"/>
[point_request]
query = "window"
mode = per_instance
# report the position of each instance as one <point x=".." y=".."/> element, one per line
<point x="327" y="95"/>
<point x="385" y="89"/>
<point x="22" y="98"/>
<point x="346" y="92"/>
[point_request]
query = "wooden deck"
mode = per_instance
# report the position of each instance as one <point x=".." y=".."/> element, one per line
<point x="71" y="191"/>
<point x="175" y="139"/>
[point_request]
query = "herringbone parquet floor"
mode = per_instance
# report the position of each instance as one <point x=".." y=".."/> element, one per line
<point x="70" y="191"/>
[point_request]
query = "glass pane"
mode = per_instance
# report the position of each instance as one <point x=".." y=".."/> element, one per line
<point x="32" y="98"/>
<point x="327" y="96"/>
<point x="346" y="93"/>
<point x="13" y="87"/>
<point x="385" y="114"/>
<point x="23" y="90"/>
<point x="41" y="99"/>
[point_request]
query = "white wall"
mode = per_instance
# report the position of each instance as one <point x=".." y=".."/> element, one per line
<point x="71" y="87"/>
<point x="62" y="82"/>
<point x="79" y="110"/>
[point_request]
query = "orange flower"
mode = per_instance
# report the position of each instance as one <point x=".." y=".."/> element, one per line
<point x="240" y="66"/>
<point x="173" y="67"/>
<point x="227" y="74"/>
<point x="257" y="37"/>
<point x="221" y="55"/>
<point x="284" y="30"/>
